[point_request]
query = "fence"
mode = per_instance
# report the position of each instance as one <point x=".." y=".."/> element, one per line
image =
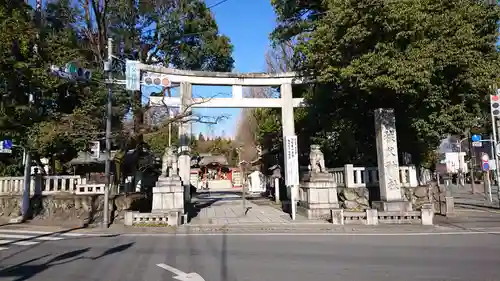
<point x="350" y="176"/>
<point x="47" y="185"/>
<point x="424" y="216"/>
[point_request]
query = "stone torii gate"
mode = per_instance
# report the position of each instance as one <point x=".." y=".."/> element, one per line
<point x="391" y="198"/>
<point x="187" y="79"/>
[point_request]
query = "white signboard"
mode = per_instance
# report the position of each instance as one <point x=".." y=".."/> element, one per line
<point x="132" y="76"/>
<point x="291" y="161"/>
<point x="477" y="144"/>
<point x="492" y="164"/>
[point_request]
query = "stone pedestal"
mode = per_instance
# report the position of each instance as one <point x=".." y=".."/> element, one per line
<point x="168" y="195"/>
<point x="317" y="195"/>
<point x="388" y="163"/>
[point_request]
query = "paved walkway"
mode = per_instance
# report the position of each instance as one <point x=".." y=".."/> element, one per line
<point x="472" y="211"/>
<point x="228" y="208"/>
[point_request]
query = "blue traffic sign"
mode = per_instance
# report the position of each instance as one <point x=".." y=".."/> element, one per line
<point x="7" y="144"/>
<point x="485" y="166"/>
<point x="476" y="138"/>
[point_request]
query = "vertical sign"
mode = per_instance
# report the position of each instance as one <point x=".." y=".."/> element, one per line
<point x="95" y="149"/>
<point x="291" y="161"/>
<point x="132" y="76"/>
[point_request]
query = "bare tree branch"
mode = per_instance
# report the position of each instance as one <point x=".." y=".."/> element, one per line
<point x="277" y="60"/>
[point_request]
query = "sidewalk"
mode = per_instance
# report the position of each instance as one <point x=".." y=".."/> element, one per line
<point x="289" y="229"/>
<point x="472" y="211"/>
<point x="225" y="213"/>
<point x="229" y="209"/>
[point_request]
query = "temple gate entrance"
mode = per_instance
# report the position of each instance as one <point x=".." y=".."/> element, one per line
<point x="186" y="102"/>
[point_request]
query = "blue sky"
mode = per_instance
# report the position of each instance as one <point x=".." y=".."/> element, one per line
<point x="248" y="24"/>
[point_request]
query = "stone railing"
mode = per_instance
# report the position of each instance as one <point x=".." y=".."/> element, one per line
<point x="350" y="176"/>
<point x="134" y="218"/>
<point x="49" y="185"/>
<point x="374" y="217"/>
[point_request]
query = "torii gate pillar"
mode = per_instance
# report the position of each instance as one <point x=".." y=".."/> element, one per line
<point x="184" y="137"/>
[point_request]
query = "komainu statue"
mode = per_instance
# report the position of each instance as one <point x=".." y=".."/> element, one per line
<point x="169" y="162"/>
<point x="317" y="159"/>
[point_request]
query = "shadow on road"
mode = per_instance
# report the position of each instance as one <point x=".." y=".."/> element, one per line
<point x="26" y="270"/>
<point x="220" y="254"/>
<point x="52" y="234"/>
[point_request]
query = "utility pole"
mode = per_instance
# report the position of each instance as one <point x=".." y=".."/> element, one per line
<point x="26" y="152"/>
<point x="496" y="130"/>
<point x="109" y="108"/>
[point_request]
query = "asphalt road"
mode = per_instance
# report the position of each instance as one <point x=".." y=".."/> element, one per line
<point x="255" y="258"/>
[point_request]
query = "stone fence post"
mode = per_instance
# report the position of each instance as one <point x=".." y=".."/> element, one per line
<point x="349" y="175"/>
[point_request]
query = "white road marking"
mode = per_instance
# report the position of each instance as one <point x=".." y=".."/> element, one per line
<point x="181" y="275"/>
<point x="19" y="243"/>
<point x="18" y="236"/>
<point x="3" y="248"/>
<point x="40" y="232"/>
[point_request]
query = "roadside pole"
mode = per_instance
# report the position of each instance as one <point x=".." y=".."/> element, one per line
<point x="488" y="185"/>
<point x="27" y="184"/>
<point x="109" y="104"/>
<point x="496" y="130"/>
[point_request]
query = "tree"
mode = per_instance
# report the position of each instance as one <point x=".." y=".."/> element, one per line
<point x="431" y="60"/>
<point x="181" y="34"/>
<point x="261" y="127"/>
<point x="43" y="114"/>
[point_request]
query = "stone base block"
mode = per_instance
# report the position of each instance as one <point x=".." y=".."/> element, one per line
<point x="318" y="197"/>
<point x="316" y="213"/>
<point x="393" y="206"/>
<point x="447" y="206"/>
<point x="318" y="177"/>
<point x="427" y="215"/>
<point x="168" y="201"/>
<point x="168" y="189"/>
<point x="170" y="180"/>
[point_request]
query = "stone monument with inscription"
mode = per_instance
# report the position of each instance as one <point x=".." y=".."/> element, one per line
<point x="318" y="190"/>
<point x="388" y="163"/>
<point x="168" y="194"/>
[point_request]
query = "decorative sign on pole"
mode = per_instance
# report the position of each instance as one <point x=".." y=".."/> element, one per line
<point x="132" y="76"/>
<point x="476" y="141"/>
<point x="291" y="161"/>
<point x="6" y="146"/>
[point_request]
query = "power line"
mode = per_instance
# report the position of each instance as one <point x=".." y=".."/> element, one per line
<point x="152" y="29"/>
<point x="217" y="4"/>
